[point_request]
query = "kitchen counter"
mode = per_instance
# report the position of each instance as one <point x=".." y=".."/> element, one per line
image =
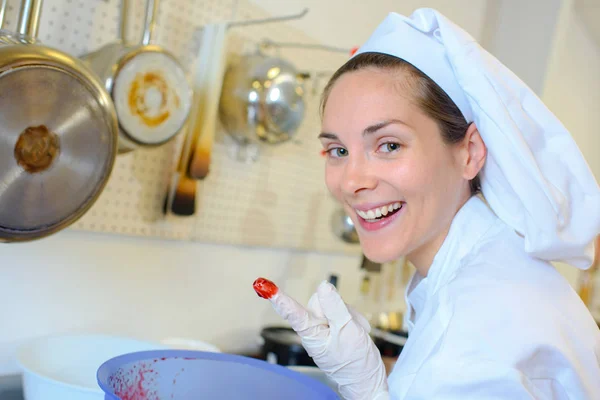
<point x="10" y="388"/>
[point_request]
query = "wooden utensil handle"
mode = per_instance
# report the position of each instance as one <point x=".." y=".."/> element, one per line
<point x="201" y="155"/>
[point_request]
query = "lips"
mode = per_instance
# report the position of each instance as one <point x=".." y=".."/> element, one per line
<point x="375" y="218"/>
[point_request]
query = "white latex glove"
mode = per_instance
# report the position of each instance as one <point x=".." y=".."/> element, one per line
<point x="337" y="338"/>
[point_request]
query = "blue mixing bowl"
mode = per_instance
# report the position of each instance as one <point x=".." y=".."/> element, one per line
<point x="194" y="375"/>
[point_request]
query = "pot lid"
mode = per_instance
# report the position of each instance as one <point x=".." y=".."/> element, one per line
<point x="152" y="96"/>
<point x="57" y="145"/>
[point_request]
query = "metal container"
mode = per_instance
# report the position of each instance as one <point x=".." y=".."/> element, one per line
<point x="148" y="85"/>
<point x="283" y="346"/>
<point x="343" y="227"/>
<point x="262" y="99"/>
<point x="58" y="140"/>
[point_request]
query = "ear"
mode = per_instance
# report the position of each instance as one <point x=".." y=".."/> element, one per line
<point x="474" y="154"/>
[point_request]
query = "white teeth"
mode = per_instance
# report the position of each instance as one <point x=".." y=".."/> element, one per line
<point x="378" y="212"/>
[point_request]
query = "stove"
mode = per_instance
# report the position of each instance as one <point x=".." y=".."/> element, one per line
<point x="10" y="387"/>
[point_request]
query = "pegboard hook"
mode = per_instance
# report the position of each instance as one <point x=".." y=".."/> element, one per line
<point x="267" y="43"/>
<point x="262" y="21"/>
<point x="150" y="24"/>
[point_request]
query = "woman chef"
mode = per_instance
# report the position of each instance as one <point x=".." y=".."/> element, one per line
<point x="439" y="153"/>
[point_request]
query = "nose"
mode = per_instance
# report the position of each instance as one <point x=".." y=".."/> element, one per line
<point x="358" y="176"/>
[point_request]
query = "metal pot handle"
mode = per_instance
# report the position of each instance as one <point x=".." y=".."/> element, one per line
<point x="3" y="6"/>
<point x="150" y="25"/>
<point x="29" y="18"/>
<point x="124" y="24"/>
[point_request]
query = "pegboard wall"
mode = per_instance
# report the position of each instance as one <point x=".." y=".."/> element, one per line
<point x="278" y="201"/>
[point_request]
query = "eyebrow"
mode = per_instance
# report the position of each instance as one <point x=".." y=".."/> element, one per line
<point x="368" y="130"/>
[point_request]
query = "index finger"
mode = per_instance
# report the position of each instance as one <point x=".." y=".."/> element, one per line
<point x="299" y="318"/>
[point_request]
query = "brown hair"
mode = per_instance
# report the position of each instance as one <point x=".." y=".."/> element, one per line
<point x="429" y="96"/>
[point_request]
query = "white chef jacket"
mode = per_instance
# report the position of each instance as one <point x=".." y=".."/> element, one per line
<point x="491" y="322"/>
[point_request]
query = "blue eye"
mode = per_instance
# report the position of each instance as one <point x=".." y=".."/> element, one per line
<point x="337" y="152"/>
<point x="390" y="147"/>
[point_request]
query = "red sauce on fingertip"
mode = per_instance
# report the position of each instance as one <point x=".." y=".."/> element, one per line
<point x="265" y="288"/>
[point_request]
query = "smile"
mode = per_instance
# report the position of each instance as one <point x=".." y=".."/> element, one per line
<point x="378" y="217"/>
<point x="379" y="212"/>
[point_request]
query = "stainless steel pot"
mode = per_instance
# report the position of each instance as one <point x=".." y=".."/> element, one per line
<point x="58" y="137"/>
<point x="148" y="85"/>
<point x="283" y="346"/>
<point x="262" y="99"/>
<point x="343" y="227"/>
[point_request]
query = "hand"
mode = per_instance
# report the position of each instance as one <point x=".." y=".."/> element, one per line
<point x="337" y="338"/>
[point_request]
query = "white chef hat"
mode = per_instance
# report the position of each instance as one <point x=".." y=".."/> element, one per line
<point x="535" y="177"/>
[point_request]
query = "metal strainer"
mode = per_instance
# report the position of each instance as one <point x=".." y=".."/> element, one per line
<point x="262" y="98"/>
<point x="58" y="134"/>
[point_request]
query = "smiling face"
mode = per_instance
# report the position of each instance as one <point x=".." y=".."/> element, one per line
<point x="389" y="166"/>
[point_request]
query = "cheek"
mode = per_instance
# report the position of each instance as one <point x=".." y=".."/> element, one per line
<point x="426" y="174"/>
<point x="409" y="176"/>
<point x="446" y="175"/>
<point x="333" y="176"/>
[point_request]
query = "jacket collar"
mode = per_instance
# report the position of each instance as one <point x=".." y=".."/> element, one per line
<point x="471" y="222"/>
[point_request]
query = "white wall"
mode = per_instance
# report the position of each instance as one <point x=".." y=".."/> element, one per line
<point x="149" y="289"/>
<point x="590" y="13"/>
<point x="338" y="23"/>
<point x="572" y="88"/>
<point x="508" y="34"/>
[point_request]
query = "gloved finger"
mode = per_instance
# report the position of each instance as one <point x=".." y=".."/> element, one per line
<point x="359" y="318"/>
<point x="333" y="306"/>
<point x="315" y="339"/>
<point x="299" y="318"/>
<point x="290" y="310"/>
<point x="314" y="307"/>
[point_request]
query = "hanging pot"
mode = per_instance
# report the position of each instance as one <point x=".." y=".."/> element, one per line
<point x="147" y="84"/>
<point x="343" y="227"/>
<point x="58" y="136"/>
<point x="262" y="99"/>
